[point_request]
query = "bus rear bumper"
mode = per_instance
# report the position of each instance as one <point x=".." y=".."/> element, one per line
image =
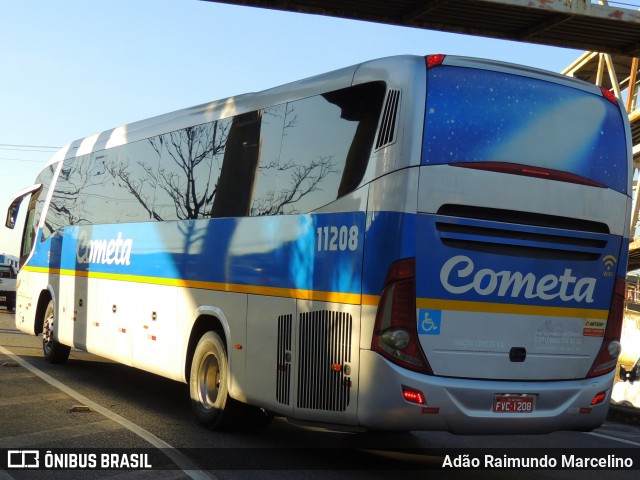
<point x="465" y="406"/>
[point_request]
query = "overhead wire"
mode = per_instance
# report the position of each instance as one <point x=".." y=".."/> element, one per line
<point x="26" y="148"/>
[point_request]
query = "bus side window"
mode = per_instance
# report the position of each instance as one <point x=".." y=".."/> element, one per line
<point x="133" y="178"/>
<point x="326" y="145"/>
<point x="189" y="171"/>
<point x="65" y="207"/>
<point x="271" y="131"/>
<point x="239" y="167"/>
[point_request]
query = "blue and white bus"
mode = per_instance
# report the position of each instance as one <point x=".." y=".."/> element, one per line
<point x="411" y="243"/>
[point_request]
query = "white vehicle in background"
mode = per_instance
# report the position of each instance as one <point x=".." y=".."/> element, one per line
<point x="8" y="275"/>
<point x="10" y="260"/>
<point x="626" y="392"/>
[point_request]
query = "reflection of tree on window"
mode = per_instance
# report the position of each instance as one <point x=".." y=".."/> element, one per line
<point x="285" y="159"/>
<point x="67" y="204"/>
<point x="136" y="172"/>
<point x="361" y="104"/>
<point x="239" y="167"/>
<point x="324" y="136"/>
<point x="189" y="170"/>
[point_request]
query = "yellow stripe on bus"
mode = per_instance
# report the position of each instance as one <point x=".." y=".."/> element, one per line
<point x="338" y="297"/>
<point x="333" y="297"/>
<point x="486" y="307"/>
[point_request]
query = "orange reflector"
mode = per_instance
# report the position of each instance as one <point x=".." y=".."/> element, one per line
<point x="336" y="367"/>
<point x="431" y="410"/>
<point x="413" y="396"/>
<point x="238" y="346"/>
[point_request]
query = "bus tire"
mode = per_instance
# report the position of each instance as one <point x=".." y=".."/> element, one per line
<point x="54" y="351"/>
<point x="208" y="385"/>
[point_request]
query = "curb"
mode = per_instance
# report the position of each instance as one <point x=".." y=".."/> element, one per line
<point x="624" y="414"/>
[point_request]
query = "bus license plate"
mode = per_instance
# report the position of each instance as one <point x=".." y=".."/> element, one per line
<point x="513" y="403"/>
<point x="3" y="299"/>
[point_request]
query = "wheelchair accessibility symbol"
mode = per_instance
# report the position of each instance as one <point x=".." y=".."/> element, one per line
<point x="429" y="322"/>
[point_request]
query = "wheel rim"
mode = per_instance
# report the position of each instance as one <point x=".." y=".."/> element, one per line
<point x="47" y="334"/>
<point x="209" y="380"/>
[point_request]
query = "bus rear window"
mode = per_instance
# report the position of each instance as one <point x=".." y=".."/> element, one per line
<point x="484" y="116"/>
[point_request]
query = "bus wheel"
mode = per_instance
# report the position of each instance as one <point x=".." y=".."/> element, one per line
<point x="208" y="384"/>
<point x="54" y="352"/>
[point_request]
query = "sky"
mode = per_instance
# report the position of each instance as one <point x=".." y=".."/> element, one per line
<point x="73" y="68"/>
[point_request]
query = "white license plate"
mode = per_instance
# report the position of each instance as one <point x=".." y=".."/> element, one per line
<point x="514" y="403"/>
<point x="3" y="299"/>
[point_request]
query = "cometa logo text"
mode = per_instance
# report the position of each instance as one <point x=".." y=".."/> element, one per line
<point x="107" y="252"/>
<point x="458" y="276"/>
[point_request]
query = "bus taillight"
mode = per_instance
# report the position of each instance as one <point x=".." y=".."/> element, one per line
<point x="435" y="60"/>
<point x="607" y="357"/>
<point x="395" y="335"/>
<point x="609" y="95"/>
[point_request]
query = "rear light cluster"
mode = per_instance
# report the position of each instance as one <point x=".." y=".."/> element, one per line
<point x="607" y="357"/>
<point x="609" y="95"/>
<point x="395" y="334"/>
<point x="413" y="396"/>
<point x="529" y="171"/>
<point x="434" y="60"/>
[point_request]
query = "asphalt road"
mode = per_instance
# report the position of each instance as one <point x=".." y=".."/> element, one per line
<point x="90" y="406"/>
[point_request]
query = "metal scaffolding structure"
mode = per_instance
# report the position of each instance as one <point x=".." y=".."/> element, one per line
<point x="621" y="75"/>
<point x="581" y="24"/>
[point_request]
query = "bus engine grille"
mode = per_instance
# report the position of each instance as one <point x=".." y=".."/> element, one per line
<point x="324" y="352"/>
<point x="283" y="380"/>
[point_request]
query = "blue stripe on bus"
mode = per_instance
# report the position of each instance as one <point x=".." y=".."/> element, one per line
<point x="304" y="252"/>
<point x="326" y="253"/>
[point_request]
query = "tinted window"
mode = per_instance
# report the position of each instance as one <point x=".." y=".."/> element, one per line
<point x="270" y="143"/>
<point x="483" y="116"/>
<point x="136" y="176"/>
<point x="326" y="144"/>
<point x="6" y="272"/>
<point x="290" y="158"/>
<point x="239" y="166"/>
<point x="189" y="171"/>
<point x="36" y="205"/>
<point x="67" y="207"/>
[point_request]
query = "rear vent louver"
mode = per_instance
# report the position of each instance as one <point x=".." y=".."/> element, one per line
<point x="283" y="380"/>
<point x="387" y="132"/>
<point x="523" y="234"/>
<point x="325" y="355"/>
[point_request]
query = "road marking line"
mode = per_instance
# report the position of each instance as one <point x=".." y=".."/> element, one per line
<point x="15" y="401"/>
<point x="9" y="377"/>
<point x="45" y="436"/>
<point x="185" y="464"/>
<point x="630" y="442"/>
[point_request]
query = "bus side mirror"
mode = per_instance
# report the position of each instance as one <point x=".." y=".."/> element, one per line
<point x="14" y="207"/>
<point x="12" y="215"/>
